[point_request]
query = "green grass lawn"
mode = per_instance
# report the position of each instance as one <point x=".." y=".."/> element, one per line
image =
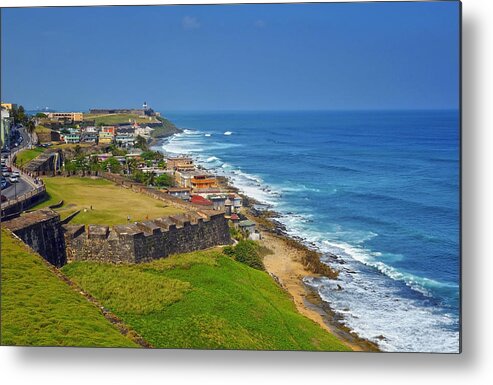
<point x="110" y="204"/>
<point x="202" y="300"/>
<point x="25" y="156"/>
<point x="39" y="309"/>
<point x="109" y="119"/>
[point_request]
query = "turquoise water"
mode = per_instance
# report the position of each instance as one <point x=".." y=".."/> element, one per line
<point x="378" y="189"/>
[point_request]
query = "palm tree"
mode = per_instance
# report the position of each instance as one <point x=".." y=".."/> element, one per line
<point x="31" y="127"/>
<point x="94" y="165"/>
<point x="131" y="165"/>
<point x="150" y="176"/>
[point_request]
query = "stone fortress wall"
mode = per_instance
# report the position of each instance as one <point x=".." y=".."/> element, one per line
<point x="145" y="241"/>
<point x="138" y="242"/>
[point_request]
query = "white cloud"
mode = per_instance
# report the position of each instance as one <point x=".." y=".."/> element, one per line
<point x="190" y="23"/>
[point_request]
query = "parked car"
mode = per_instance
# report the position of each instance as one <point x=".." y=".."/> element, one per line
<point x="4" y="184"/>
<point x="5" y="174"/>
<point x="16" y="174"/>
<point x="3" y="198"/>
<point x="14" y="179"/>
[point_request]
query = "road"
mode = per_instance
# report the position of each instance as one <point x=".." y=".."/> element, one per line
<point x="25" y="184"/>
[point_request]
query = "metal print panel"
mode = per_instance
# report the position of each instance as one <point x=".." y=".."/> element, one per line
<point x="255" y="177"/>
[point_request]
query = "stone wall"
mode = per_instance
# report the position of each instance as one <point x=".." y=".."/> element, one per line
<point x="145" y="241"/>
<point x="23" y="202"/>
<point x="42" y="231"/>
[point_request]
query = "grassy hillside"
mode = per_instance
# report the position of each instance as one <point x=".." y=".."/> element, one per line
<point x="110" y="204"/>
<point x="168" y="128"/>
<point x="202" y="300"/>
<point x="39" y="309"/>
<point x="25" y="156"/>
<point x="110" y="119"/>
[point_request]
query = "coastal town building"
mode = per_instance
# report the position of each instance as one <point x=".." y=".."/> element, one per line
<point x="201" y="201"/>
<point x="89" y="137"/>
<point x="91" y="129"/>
<point x="109" y="129"/>
<point x="9" y="106"/>
<point x="5" y="126"/>
<point x="72" y="137"/>
<point x="178" y="192"/>
<point x="125" y="140"/>
<point x="67" y="117"/>
<point x="143" y="131"/>
<point x="247" y="227"/>
<point x="156" y="170"/>
<point x="180" y="163"/>
<point x="203" y="181"/>
<point x="128" y="129"/>
<point x="235" y="219"/>
<point x="105" y="137"/>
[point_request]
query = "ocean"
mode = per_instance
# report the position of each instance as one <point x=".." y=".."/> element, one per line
<point x="379" y="189"/>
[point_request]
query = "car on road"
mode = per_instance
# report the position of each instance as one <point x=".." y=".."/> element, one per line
<point x="14" y="179"/>
<point x="16" y="174"/>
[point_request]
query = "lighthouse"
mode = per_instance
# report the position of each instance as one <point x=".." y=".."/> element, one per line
<point x="145" y="106"/>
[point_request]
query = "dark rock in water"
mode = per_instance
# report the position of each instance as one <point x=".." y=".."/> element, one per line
<point x="380" y="337"/>
<point x="339" y="287"/>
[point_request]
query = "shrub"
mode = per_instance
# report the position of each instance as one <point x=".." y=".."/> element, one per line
<point x="246" y="252"/>
<point x="229" y="251"/>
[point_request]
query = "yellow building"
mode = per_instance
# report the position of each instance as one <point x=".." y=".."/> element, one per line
<point x="74" y="117"/>
<point x="106" y="137"/>
<point x="9" y="106"/>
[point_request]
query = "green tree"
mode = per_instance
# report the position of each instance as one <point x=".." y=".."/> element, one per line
<point x="141" y="142"/>
<point x="132" y="165"/>
<point x="163" y="180"/>
<point x="94" y="164"/>
<point x="30" y="128"/>
<point x="78" y="150"/>
<point x="112" y="165"/>
<point x="150" y="178"/>
<point x="151" y="155"/>
<point x="40" y="115"/>
<point x="116" y="151"/>
<point x="139" y="176"/>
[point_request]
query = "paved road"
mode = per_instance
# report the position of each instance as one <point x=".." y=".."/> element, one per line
<point x="19" y="188"/>
<point x="25" y="183"/>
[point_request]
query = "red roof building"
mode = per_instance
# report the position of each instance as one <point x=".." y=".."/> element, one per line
<point x="198" y="200"/>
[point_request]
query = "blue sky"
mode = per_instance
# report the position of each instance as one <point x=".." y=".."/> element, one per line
<point x="237" y="57"/>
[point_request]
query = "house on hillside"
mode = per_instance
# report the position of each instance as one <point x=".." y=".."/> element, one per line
<point x="125" y="140"/>
<point x="201" y="201"/>
<point x="89" y="137"/>
<point x="180" y="163"/>
<point x="179" y="192"/>
<point x="105" y="137"/>
<point x="72" y="137"/>
<point x="247" y="227"/>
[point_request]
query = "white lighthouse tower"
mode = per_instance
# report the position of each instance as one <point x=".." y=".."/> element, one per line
<point x="145" y="106"/>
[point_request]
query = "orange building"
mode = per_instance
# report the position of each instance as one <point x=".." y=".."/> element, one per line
<point x="203" y="181"/>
